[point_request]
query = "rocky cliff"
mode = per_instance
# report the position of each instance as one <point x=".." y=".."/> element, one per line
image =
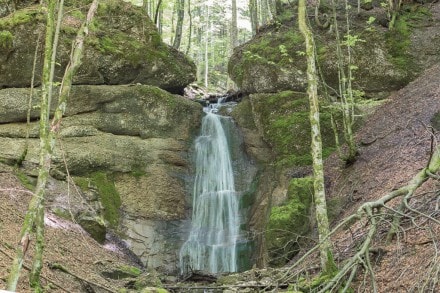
<point x="271" y="69"/>
<point x="122" y="159"/>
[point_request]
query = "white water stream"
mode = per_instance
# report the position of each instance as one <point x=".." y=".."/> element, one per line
<point x="211" y="245"/>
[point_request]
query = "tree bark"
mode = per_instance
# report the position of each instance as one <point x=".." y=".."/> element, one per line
<point x="44" y="163"/>
<point x="35" y="213"/>
<point x="188" y="47"/>
<point x="180" y="15"/>
<point x="253" y="11"/>
<point x="207" y="23"/>
<point x="326" y="257"/>
<point x="234" y="29"/>
<point x="156" y="14"/>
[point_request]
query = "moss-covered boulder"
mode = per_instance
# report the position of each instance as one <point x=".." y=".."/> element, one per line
<point x="123" y="47"/>
<point x="382" y="60"/>
<point x="282" y="120"/>
<point x="289" y="221"/>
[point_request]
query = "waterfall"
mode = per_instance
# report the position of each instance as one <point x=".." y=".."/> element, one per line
<point x="211" y="245"/>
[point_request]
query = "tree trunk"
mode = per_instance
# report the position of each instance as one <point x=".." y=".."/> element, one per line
<point x="35" y="213"/>
<point x="37" y="198"/>
<point x="188" y="47"/>
<point x="156" y="14"/>
<point x="234" y="29"/>
<point x="180" y="15"/>
<point x="326" y="256"/>
<point x="253" y="11"/>
<point x="207" y="47"/>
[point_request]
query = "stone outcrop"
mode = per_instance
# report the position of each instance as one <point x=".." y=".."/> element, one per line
<point x="123" y="47"/>
<point x="382" y="60"/>
<point x="122" y="158"/>
<point x="271" y="70"/>
<point x="126" y="147"/>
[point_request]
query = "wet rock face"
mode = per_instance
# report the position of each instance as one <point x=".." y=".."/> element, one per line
<point x="123" y="47"/>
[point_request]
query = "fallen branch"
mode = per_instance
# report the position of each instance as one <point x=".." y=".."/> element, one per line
<point x="60" y="267"/>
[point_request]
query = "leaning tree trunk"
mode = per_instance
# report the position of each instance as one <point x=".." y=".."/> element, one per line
<point x="327" y="262"/>
<point x="35" y="213"/>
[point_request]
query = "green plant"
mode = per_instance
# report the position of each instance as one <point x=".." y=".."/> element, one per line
<point x="6" y="39"/>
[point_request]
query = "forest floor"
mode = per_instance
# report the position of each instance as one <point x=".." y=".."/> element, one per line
<point x="395" y="143"/>
<point x="71" y="256"/>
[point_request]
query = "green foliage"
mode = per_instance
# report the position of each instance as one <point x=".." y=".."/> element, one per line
<point x="398" y="38"/>
<point x="275" y="50"/>
<point x="6" y="40"/>
<point x="289" y="221"/>
<point x="351" y="40"/>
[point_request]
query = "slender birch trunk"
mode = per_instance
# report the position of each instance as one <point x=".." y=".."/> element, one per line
<point x="326" y="256"/>
<point x="35" y="213"/>
<point x="37" y="198"/>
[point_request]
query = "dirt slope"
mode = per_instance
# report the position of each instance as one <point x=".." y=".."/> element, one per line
<point x="66" y="245"/>
<point x="395" y="143"/>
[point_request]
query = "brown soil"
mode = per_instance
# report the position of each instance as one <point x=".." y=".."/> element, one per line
<point x="395" y="144"/>
<point x="66" y="245"/>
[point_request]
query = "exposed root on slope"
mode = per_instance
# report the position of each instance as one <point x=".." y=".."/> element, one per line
<point x="373" y="218"/>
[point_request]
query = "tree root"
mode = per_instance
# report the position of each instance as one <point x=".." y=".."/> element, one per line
<point x="370" y="212"/>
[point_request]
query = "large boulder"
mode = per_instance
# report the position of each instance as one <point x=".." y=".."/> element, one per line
<point x="381" y="60"/>
<point x="123" y="47"/>
<point x="127" y="152"/>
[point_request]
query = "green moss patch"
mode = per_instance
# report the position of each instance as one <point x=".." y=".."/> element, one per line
<point x="435" y="121"/>
<point x="20" y="17"/>
<point x="108" y="195"/>
<point x="284" y="119"/>
<point x="399" y="37"/>
<point x="25" y="180"/>
<point x="6" y="40"/>
<point x="276" y="49"/>
<point x="122" y="272"/>
<point x="290" y="221"/>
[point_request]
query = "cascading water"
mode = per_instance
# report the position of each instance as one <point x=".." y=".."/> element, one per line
<point x="212" y="242"/>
